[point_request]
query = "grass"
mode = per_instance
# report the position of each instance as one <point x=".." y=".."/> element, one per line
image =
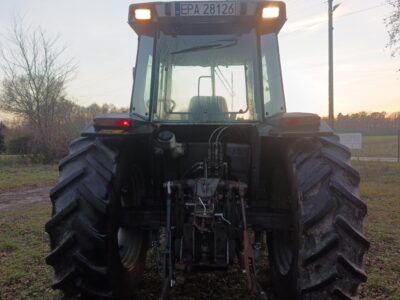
<point x="23" y="245"/>
<point x="377" y="146"/>
<point x="16" y="172"/>
<point x="13" y="160"/>
<point x="380" y="189"/>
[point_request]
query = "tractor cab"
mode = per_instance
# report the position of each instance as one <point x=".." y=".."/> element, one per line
<point x="207" y="62"/>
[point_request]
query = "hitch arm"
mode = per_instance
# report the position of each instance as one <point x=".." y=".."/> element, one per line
<point x="248" y="253"/>
<point x="168" y="265"/>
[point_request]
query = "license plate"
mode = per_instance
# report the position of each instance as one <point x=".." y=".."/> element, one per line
<point x="204" y="9"/>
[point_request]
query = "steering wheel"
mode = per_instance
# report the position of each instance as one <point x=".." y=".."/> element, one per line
<point x="170" y="104"/>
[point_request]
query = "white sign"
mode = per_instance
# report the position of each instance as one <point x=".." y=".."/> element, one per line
<point x="205" y="9"/>
<point x="351" y="140"/>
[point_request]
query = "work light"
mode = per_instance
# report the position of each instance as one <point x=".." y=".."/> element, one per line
<point x="270" y="12"/>
<point x="142" y="14"/>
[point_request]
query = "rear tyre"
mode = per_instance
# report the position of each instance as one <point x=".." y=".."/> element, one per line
<point x="92" y="256"/>
<point x="322" y="256"/>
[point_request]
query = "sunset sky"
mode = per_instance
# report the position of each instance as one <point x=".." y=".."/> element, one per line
<point x="98" y="36"/>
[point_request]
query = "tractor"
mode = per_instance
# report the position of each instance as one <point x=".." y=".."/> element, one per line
<point x="207" y="168"/>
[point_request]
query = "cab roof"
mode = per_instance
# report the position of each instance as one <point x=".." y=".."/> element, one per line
<point x="194" y="17"/>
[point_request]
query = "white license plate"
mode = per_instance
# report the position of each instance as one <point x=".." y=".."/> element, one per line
<point x="204" y="9"/>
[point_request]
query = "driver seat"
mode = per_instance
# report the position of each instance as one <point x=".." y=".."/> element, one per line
<point x="208" y="108"/>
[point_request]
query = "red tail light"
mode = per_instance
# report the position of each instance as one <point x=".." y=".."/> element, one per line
<point x="124" y="123"/>
<point x="115" y="123"/>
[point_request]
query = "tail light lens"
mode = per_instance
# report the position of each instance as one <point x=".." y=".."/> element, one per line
<point x="114" y="123"/>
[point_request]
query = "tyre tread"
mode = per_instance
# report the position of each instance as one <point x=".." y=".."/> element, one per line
<point x="60" y="216"/>
<point x="323" y="248"/>
<point x="340" y="189"/>
<point x="329" y="264"/>
<point x="74" y="234"/>
<point x="60" y="250"/>
<point x="351" y="267"/>
<point x="76" y="175"/>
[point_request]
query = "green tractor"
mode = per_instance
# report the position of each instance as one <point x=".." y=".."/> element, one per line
<point x="208" y="170"/>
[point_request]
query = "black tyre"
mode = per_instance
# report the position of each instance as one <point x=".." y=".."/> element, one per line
<point x="92" y="256"/>
<point x="322" y="256"/>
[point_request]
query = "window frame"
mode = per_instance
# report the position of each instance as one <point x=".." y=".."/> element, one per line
<point x="257" y="85"/>
<point x="279" y="69"/>
<point x="258" y="93"/>
<point x="152" y="82"/>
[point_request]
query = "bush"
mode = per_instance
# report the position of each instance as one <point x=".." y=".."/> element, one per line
<point x="19" y="145"/>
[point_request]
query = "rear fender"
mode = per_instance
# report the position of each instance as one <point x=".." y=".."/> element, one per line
<point x="294" y="125"/>
<point x="118" y="125"/>
<point x="276" y="134"/>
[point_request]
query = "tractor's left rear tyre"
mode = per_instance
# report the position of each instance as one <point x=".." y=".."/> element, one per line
<point x="92" y="255"/>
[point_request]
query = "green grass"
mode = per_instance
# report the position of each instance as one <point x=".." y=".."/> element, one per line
<point x="377" y="146"/>
<point x="12" y="160"/>
<point x="23" y="244"/>
<point x="16" y="177"/>
<point x="380" y="189"/>
<point x="16" y="172"/>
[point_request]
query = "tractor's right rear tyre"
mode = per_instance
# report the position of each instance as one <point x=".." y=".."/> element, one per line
<point x="92" y="255"/>
<point x="321" y="257"/>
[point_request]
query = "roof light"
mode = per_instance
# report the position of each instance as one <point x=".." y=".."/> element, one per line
<point x="270" y="12"/>
<point x="142" y="14"/>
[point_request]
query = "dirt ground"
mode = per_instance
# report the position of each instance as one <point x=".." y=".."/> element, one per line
<point x="13" y="199"/>
<point x="197" y="286"/>
<point x="23" y="246"/>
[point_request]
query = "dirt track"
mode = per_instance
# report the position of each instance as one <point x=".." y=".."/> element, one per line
<point x="15" y="198"/>
<point x="214" y="285"/>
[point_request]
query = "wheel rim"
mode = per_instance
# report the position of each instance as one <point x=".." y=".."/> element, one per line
<point x="130" y="241"/>
<point x="283" y="251"/>
<point x="283" y="240"/>
<point x="130" y="245"/>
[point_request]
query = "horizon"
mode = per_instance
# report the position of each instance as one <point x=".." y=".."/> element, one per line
<point x="104" y="46"/>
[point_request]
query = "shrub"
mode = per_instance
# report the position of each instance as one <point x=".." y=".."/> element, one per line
<point x="19" y="145"/>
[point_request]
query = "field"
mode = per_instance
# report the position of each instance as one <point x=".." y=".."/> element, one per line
<point x="378" y="146"/>
<point x="16" y="172"/>
<point x="23" y="244"/>
<point x="380" y="189"/>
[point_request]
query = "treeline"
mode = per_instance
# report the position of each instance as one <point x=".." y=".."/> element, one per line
<point x="19" y="136"/>
<point x="375" y="123"/>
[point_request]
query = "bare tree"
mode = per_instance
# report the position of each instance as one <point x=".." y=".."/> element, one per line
<point x="393" y="26"/>
<point x="35" y="73"/>
<point x="2" y="141"/>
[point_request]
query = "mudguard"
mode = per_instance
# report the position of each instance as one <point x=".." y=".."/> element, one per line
<point x="294" y="125"/>
<point x="103" y="126"/>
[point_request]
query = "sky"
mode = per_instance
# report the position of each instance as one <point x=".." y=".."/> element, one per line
<point x="104" y="48"/>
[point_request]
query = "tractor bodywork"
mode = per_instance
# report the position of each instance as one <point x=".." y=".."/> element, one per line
<point x="209" y="158"/>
